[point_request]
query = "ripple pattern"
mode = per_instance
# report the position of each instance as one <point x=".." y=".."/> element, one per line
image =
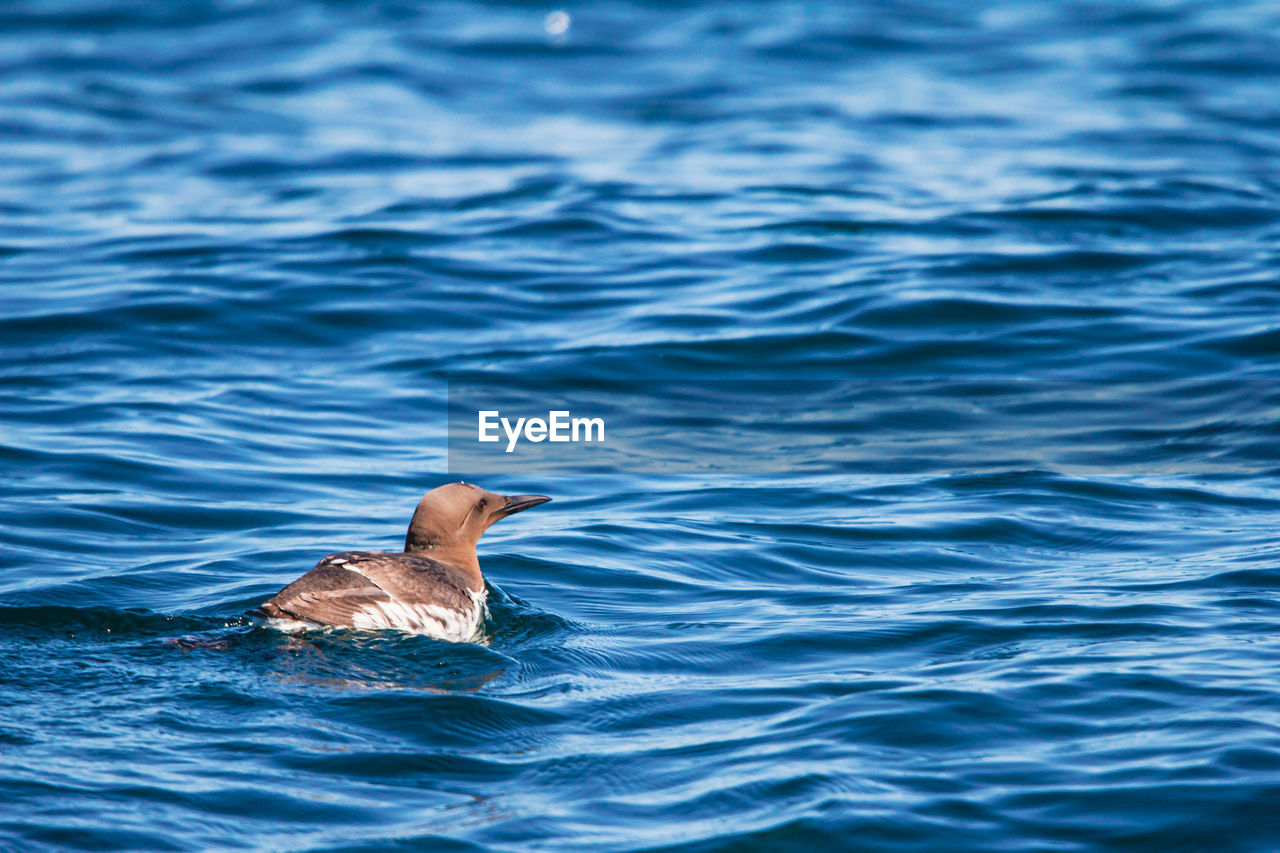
<point x="245" y="248"/>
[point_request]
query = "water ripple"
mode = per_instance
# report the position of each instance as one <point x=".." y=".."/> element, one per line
<point x="1004" y="582"/>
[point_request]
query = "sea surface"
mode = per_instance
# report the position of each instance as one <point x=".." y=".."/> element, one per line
<point x="944" y="337"/>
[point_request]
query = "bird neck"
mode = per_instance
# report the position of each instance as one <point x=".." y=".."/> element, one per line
<point x="456" y="555"/>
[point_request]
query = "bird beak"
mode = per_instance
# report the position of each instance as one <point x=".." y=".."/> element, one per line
<point x="518" y="503"/>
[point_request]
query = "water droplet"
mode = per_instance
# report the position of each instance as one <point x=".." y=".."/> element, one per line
<point x="557" y="23"/>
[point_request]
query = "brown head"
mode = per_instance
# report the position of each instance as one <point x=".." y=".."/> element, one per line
<point x="450" y="520"/>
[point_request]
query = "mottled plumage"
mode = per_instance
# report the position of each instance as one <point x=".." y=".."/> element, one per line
<point x="434" y="588"/>
<point x="379" y="590"/>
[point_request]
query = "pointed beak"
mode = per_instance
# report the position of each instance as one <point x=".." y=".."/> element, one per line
<point x="518" y="503"/>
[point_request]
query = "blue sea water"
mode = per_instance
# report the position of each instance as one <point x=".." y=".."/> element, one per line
<point x="1008" y="580"/>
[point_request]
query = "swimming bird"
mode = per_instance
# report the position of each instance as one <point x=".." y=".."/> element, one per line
<point x="433" y="588"/>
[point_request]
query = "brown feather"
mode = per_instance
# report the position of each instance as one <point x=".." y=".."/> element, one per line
<point x="345" y="584"/>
